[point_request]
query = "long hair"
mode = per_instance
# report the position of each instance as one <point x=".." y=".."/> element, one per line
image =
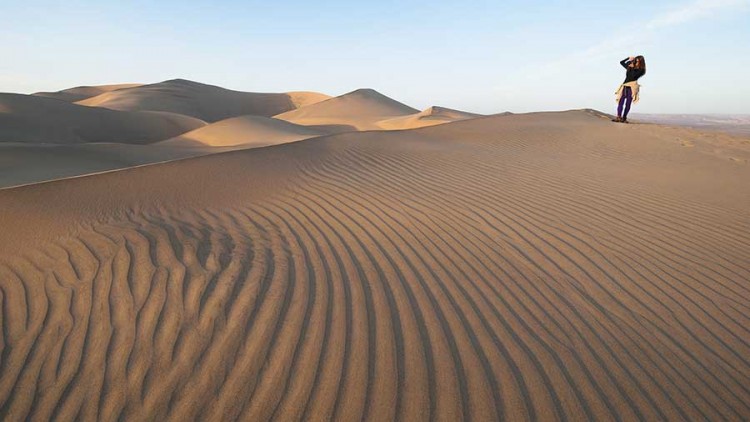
<point x="639" y="63"/>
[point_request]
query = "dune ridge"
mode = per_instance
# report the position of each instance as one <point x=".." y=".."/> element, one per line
<point x="550" y="266"/>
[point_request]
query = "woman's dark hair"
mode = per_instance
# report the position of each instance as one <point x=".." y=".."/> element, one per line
<point x="639" y="63"/>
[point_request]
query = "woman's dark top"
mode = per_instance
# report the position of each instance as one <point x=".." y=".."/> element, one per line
<point x="632" y="74"/>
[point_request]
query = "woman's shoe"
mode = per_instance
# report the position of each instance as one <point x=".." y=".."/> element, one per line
<point x="624" y="121"/>
<point x="617" y="120"/>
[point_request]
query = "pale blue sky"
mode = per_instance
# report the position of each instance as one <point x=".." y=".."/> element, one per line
<point x="482" y="56"/>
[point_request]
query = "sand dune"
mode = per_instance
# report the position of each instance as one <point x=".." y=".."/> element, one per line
<point x="79" y="93"/>
<point x="358" y="110"/>
<point x="205" y="102"/>
<point x="548" y="266"/>
<point x="432" y="116"/>
<point x="24" y="163"/>
<point x="367" y="109"/>
<point x="306" y="98"/>
<point x="29" y="118"/>
<point x="247" y="131"/>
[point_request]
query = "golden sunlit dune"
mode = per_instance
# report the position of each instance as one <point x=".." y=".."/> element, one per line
<point x="367" y="109"/>
<point x="250" y="131"/>
<point x="542" y="266"/>
<point x="205" y="102"/>
<point x="360" y="110"/>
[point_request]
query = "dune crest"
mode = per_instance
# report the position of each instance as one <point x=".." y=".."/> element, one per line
<point x="306" y="98"/>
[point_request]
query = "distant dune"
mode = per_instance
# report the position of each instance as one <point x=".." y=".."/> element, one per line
<point x="367" y="109"/>
<point x="250" y="131"/>
<point x="360" y="110"/>
<point x="205" y="102"/>
<point x="432" y="116"/>
<point x="305" y="98"/>
<point x="79" y="93"/>
<point x="36" y="126"/>
<point x="37" y="119"/>
<point x="540" y="266"/>
<point x="738" y="124"/>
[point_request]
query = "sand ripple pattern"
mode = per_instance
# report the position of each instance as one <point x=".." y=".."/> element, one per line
<point x="389" y="285"/>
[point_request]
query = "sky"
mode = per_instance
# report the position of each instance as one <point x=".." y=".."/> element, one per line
<point x="480" y="56"/>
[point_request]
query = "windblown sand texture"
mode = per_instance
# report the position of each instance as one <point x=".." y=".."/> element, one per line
<point x="545" y="266"/>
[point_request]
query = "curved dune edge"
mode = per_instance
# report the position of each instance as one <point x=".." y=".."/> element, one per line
<point x="480" y="270"/>
<point x="249" y="131"/>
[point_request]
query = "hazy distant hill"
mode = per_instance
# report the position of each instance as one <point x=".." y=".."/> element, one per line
<point x="731" y="123"/>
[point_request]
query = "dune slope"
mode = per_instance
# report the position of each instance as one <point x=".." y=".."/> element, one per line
<point x="549" y="266"/>
<point x="34" y="119"/>
<point x="432" y="116"/>
<point x="359" y="110"/>
<point x="205" y="102"/>
<point x="247" y="131"/>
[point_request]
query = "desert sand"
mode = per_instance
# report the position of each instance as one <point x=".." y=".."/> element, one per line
<point x="43" y="139"/>
<point x="362" y="109"/>
<point x="540" y="266"/>
<point x="251" y="131"/>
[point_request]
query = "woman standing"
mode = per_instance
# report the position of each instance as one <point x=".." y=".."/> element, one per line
<point x="627" y="93"/>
